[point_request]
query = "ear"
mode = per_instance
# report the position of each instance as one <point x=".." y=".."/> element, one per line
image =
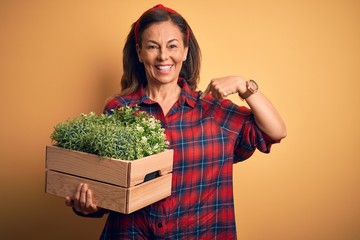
<point x="185" y="53"/>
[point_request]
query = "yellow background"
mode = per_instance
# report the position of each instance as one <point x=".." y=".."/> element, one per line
<point x="62" y="58"/>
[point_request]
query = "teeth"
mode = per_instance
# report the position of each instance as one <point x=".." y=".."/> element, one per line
<point x="163" y="67"/>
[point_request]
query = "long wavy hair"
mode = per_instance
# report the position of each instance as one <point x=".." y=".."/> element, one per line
<point x="134" y="72"/>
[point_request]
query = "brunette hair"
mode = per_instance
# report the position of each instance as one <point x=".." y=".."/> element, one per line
<point x="134" y="71"/>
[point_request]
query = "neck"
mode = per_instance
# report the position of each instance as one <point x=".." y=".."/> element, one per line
<point x="165" y="96"/>
<point x="163" y="93"/>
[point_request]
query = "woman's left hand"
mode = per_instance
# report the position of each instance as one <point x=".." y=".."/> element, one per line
<point x="222" y="87"/>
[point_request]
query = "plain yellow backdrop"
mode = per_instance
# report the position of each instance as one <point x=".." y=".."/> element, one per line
<point x="62" y="58"/>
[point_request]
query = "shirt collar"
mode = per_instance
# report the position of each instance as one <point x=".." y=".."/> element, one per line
<point x="187" y="95"/>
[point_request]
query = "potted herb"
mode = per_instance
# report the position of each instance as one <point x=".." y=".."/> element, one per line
<point x="114" y="154"/>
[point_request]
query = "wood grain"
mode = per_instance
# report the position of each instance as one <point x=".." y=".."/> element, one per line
<point x="115" y="198"/>
<point x="114" y="171"/>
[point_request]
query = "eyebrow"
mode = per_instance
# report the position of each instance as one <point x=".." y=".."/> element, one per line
<point x="170" y="41"/>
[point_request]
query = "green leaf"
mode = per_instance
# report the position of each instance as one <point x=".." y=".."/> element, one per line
<point x="126" y="134"/>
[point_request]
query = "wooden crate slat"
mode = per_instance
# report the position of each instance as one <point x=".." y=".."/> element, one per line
<point x="87" y="165"/>
<point x="149" y="192"/>
<point x="115" y="198"/>
<point x="158" y="162"/>
<point x="105" y="195"/>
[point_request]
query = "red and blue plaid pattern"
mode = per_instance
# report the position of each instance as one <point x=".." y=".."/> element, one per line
<point x="207" y="136"/>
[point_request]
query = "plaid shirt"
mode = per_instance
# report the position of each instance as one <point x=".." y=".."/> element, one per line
<point x="207" y="136"/>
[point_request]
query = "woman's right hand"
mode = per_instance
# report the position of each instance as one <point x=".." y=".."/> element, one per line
<point x="82" y="200"/>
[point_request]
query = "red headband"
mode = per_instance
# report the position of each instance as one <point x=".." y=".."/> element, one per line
<point x="169" y="10"/>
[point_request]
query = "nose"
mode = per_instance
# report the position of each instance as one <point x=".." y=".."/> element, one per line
<point x="163" y="54"/>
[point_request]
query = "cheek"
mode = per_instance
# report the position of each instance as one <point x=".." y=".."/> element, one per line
<point x="180" y="61"/>
<point x="148" y="67"/>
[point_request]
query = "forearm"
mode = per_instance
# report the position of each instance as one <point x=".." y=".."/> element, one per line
<point x="266" y="116"/>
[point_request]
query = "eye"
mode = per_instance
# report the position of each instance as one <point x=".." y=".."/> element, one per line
<point x="151" y="47"/>
<point x="172" y="46"/>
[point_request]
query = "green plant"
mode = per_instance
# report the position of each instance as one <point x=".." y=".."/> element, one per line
<point x="127" y="134"/>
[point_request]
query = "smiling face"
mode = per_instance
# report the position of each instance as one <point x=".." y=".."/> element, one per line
<point x="162" y="51"/>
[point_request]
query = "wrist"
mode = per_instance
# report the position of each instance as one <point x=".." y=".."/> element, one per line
<point x="251" y="88"/>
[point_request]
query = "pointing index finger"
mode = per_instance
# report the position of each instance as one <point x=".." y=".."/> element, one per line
<point x="206" y="92"/>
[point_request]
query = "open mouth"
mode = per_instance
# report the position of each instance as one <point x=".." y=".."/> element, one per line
<point x="164" y="68"/>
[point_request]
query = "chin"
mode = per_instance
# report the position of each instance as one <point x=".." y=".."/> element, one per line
<point x="164" y="79"/>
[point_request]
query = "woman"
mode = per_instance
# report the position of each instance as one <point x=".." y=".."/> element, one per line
<point x="207" y="132"/>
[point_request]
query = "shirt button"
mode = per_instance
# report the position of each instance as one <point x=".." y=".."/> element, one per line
<point x="159" y="225"/>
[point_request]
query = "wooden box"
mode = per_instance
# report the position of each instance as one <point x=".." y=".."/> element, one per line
<point x="117" y="185"/>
